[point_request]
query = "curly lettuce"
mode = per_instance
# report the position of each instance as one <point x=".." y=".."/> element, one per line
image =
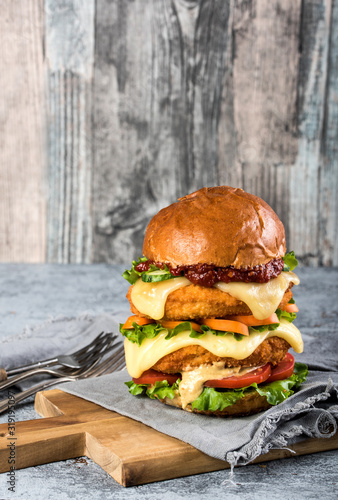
<point x="132" y="275"/>
<point x="138" y="333"/>
<point x="290" y="261"/>
<point x="161" y="389"/>
<point x="213" y="399"/>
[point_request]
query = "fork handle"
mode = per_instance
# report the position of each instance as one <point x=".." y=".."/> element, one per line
<point x="32" y="366"/>
<point x="7" y="403"/>
<point x="23" y="376"/>
<point x="3" y="374"/>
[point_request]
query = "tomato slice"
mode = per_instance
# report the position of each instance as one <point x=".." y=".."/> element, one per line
<point x="252" y="321"/>
<point x="138" y="320"/>
<point x="291" y="308"/>
<point x="152" y="376"/>
<point x="226" y="325"/>
<point x="259" y="375"/>
<point x="284" y="369"/>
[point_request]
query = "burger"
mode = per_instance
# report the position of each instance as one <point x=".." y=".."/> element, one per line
<point x="213" y="307"/>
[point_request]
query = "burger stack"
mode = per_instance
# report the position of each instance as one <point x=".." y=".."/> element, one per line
<point x="213" y="307"/>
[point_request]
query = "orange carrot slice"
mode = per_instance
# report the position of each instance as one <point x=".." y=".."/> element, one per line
<point x="291" y="308"/>
<point x="252" y="321"/>
<point x="226" y="325"/>
<point x="138" y="320"/>
<point x="172" y="324"/>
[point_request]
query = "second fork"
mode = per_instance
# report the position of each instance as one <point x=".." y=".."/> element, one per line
<point x="104" y="344"/>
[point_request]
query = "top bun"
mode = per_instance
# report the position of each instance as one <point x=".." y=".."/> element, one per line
<point x="223" y="226"/>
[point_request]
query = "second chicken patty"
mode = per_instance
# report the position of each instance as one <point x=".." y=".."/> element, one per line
<point x="271" y="350"/>
<point x="196" y="302"/>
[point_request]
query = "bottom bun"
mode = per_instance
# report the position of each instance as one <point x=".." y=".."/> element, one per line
<point x="248" y="405"/>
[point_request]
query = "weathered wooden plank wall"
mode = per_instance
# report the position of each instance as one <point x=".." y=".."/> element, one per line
<point x="151" y="99"/>
<point x="22" y="136"/>
<point x="70" y="62"/>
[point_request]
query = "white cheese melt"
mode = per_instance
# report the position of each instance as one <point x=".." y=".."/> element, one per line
<point x="141" y="358"/>
<point x="150" y="298"/>
<point x="192" y="383"/>
<point x="261" y="298"/>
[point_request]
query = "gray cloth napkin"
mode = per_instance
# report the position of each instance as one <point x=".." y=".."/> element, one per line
<point x="311" y="412"/>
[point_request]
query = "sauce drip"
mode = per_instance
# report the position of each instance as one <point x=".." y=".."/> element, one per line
<point x="207" y="274"/>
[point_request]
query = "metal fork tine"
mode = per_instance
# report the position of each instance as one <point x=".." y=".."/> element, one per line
<point x="96" y="363"/>
<point x="108" y="363"/>
<point x="89" y="346"/>
<point x="86" y="356"/>
<point x="94" y="346"/>
<point x="117" y="364"/>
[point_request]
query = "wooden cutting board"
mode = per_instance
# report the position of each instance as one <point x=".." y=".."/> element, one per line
<point x="131" y="452"/>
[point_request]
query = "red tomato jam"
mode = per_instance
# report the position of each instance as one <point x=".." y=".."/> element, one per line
<point x="207" y="274"/>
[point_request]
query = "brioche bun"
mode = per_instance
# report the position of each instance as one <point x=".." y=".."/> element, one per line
<point x="222" y="226"/>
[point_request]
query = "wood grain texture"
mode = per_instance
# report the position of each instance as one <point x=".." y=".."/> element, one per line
<point x="131" y="452"/>
<point x="70" y="59"/>
<point x="22" y="133"/>
<point x="304" y="188"/>
<point x="328" y="179"/>
<point x="158" y="80"/>
<point x="206" y="93"/>
<point x="151" y="99"/>
<point x="265" y="88"/>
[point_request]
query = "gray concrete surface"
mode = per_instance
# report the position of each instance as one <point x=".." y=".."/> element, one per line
<point x="30" y="294"/>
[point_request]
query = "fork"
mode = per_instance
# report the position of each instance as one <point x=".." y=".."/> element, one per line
<point x="74" y="360"/>
<point x="86" y="356"/>
<point x="113" y="363"/>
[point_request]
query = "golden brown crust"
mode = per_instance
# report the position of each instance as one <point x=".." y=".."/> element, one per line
<point x="195" y="302"/>
<point x="248" y="405"/>
<point x="271" y="350"/>
<point x="223" y="226"/>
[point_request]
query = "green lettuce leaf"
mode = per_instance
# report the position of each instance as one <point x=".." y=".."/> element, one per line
<point x="139" y="333"/>
<point x="262" y="328"/>
<point x="300" y="372"/>
<point x="132" y="275"/>
<point x="290" y="317"/>
<point x="213" y="399"/>
<point x="182" y="327"/>
<point x="160" y="389"/>
<point x="278" y="391"/>
<point x="290" y="261"/>
<point x="136" y="389"/>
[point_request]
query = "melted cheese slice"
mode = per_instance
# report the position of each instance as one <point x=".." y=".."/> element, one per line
<point x="261" y="298"/>
<point x="150" y="298"/>
<point x="141" y="358"/>
<point x="192" y="383"/>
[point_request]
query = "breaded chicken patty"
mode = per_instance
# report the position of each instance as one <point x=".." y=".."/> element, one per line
<point x="195" y="302"/>
<point x="271" y="350"/>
